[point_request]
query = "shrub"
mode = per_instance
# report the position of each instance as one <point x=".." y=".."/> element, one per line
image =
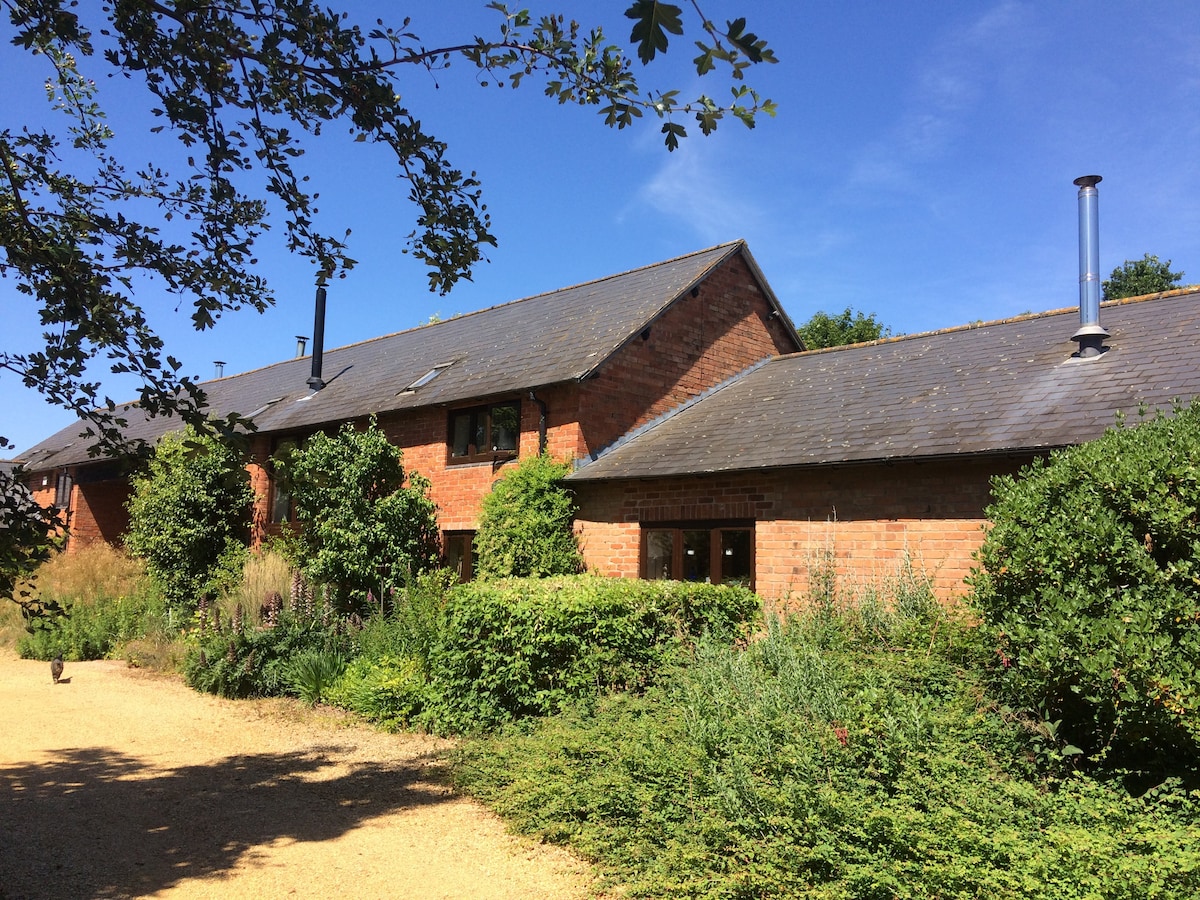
<point x="361" y="528"/>
<point x="529" y="647"/>
<point x="189" y="516"/>
<point x="525" y="525"/>
<point x="413" y="622"/>
<point x="789" y="770"/>
<point x="237" y="659"/>
<point x="389" y="691"/>
<point x="1088" y="586"/>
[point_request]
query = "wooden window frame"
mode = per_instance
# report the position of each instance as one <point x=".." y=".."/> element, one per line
<point x="474" y="454"/>
<point x="466" y="569"/>
<point x="716" y="556"/>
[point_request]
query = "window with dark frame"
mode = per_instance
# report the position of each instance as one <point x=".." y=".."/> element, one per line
<point x="281" y="510"/>
<point x="62" y="490"/>
<point x="485" y="432"/>
<point x="458" y="553"/>
<point x="281" y="503"/>
<point x="711" y="552"/>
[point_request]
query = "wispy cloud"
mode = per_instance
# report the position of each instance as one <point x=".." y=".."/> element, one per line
<point x="962" y="68"/>
<point x="697" y="186"/>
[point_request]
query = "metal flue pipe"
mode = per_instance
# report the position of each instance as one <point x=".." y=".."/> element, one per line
<point x="1091" y="334"/>
<point x="315" y="381"/>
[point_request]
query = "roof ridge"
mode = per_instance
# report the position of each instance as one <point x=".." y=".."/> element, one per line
<point x="476" y="312"/>
<point x="1008" y="320"/>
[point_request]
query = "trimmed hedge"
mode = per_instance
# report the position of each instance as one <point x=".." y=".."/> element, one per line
<point x="511" y="649"/>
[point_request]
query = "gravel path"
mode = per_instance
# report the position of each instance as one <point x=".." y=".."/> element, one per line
<point x="119" y="783"/>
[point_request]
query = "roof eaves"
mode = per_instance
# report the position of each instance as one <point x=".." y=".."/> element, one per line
<point x="581" y="474"/>
<point x="772" y="299"/>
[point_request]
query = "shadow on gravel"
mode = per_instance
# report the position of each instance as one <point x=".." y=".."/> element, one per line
<point x="98" y="823"/>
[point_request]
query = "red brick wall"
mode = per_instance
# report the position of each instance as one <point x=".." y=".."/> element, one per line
<point x="98" y="512"/>
<point x="421" y="435"/>
<point x="869" y="517"/>
<point x="697" y="343"/>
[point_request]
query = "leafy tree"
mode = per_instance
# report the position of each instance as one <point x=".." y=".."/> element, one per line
<point x="360" y="527"/>
<point x="846" y="327"/>
<point x="29" y="535"/>
<point x="525" y="524"/>
<point x="242" y="85"/>
<point x="1136" y="277"/>
<point x="189" y="515"/>
<point x="1088" y="586"/>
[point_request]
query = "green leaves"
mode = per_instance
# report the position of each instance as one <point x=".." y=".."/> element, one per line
<point x="189" y="516"/>
<point x="1135" y="278"/>
<point x="652" y="21"/>
<point x="1088" y="585"/>
<point x="362" y="528"/>
<point x="846" y="327"/>
<point x="525" y="526"/>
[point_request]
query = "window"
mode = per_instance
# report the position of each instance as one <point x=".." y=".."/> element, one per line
<point x="485" y="432"/>
<point x="715" y="553"/>
<point x="281" y="504"/>
<point x="426" y="378"/>
<point x="62" y="491"/>
<point x="458" y="553"/>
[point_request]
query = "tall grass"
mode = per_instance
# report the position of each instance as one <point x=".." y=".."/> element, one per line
<point x="109" y="602"/>
<point x="262" y="590"/>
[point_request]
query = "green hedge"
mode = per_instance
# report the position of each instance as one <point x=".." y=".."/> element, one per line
<point x="518" y="648"/>
<point x="1088" y="586"/>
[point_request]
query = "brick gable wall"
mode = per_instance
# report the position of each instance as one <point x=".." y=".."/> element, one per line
<point x="705" y="337"/>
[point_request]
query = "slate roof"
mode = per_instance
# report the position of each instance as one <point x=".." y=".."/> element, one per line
<point x="1002" y="387"/>
<point x="546" y="339"/>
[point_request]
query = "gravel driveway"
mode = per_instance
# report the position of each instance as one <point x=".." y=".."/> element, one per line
<point x="119" y="783"/>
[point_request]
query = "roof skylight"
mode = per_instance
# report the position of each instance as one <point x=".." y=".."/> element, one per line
<point x="427" y="377"/>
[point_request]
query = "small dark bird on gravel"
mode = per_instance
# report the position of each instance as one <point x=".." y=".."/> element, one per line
<point x="56" y="667"/>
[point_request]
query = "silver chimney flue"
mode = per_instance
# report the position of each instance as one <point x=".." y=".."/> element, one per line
<point x="1091" y="334"/>
<point x="219" y="368"/>
<point x="301" y="345"/>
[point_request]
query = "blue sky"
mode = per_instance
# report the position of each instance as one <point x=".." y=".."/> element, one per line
<point x="919" y="168"/>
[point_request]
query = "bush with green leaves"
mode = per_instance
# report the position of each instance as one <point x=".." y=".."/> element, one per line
<point x="237" y="659"/>
<point x="525" y="524"/>
<point x="529" y="647"/>
<point x="361" y="527"/>
<point x="189" y="516"/>
<point x="95" y="630"/>
<point x="1137" y="277"/>
<point x="389" y="691"/>
<point x="1088" y="587"/>
<point x="387" y="681"/>
<point x="105" y="600"/>
<point x="826" y="767"/>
